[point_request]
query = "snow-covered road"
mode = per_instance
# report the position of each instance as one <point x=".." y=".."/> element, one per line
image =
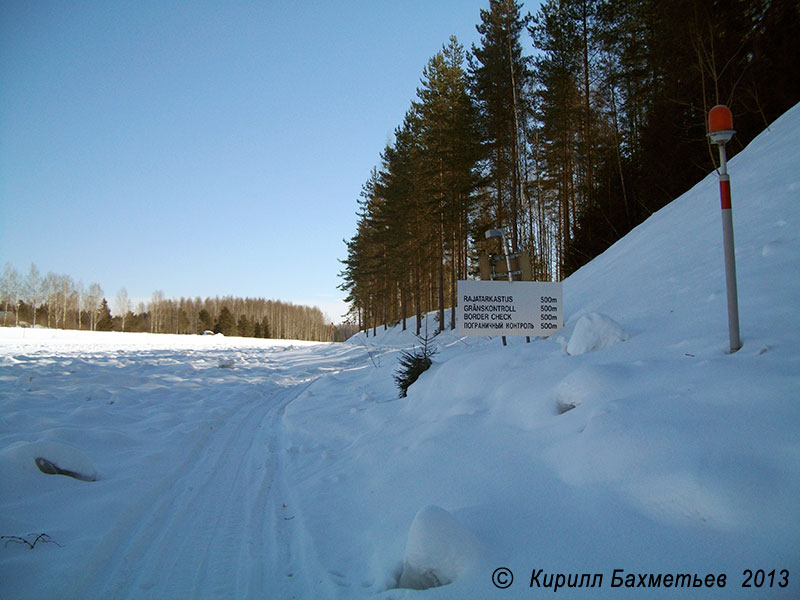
<point x="191" y="498"/>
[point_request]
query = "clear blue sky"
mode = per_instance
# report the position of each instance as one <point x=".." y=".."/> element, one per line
<point x="203" y="148"/>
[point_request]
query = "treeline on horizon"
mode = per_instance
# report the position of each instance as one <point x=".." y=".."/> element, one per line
<point x="568" y="149"/>
<point x="56" y="301"/>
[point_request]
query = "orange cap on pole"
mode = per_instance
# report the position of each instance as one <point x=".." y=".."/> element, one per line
<point x="720" y="124"/>
<point x="720" y="118"/>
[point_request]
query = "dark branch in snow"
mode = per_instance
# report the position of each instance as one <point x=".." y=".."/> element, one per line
<point x="42" y="537"/>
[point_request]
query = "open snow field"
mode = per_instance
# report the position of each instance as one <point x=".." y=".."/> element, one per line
<point x="630" y="448"/>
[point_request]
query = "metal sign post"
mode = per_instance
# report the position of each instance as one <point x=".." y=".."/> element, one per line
<point x="501" y="233"/>
<point x="720" y="131"/>
<point x="493" y="306"/>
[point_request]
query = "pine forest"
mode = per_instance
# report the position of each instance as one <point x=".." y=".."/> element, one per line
<point x="568" y="145"/>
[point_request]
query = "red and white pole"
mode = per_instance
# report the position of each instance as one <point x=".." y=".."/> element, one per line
<point x="720" y="131"/>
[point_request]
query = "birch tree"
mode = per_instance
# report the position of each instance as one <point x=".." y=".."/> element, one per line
<point x="33" y="290"/>
<point x="122" y="305"/>
<point x="93" y="297"/>
<point x="10" y="293"/>
<point x="157" y="312"/>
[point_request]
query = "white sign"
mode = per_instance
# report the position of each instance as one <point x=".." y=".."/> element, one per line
<point x="533" y="308"/>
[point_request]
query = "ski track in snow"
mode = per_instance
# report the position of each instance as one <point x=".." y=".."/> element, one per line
<point x="217" y="519"/>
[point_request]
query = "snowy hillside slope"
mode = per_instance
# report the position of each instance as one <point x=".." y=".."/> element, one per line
<point x="678" y="455"/>
<point x="254" y="471"/>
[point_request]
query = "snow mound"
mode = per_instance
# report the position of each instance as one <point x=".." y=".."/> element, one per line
<point x="586" y="384"/>
<point x="438" y="551"/>
<point x="595" y="331"/>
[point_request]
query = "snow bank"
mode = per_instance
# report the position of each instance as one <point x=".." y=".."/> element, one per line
<point x="595" y="331"/>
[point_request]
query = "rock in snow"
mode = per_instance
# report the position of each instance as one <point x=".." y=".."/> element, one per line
<point x="595" y="331"/>
<point x="51" y="458"/>
<point x="438" y="551"/>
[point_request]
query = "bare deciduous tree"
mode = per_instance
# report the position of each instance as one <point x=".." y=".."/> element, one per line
<point x="10" y="293"/>
<point x="92" y="303"/>
<point x="66" y="295"/>
<point x="157" y="312"/>
<point x="33" y="290"/>
<point x="50" y="292"/>
<point x="122" y="305"/>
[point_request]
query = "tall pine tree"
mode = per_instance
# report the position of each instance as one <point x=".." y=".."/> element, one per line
<point x="499" y="74"/>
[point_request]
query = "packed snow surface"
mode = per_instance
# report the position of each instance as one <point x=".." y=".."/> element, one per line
<point x="631" y="444"/>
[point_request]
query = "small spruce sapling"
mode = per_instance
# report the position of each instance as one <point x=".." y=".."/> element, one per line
<point x="414" y="363"/>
